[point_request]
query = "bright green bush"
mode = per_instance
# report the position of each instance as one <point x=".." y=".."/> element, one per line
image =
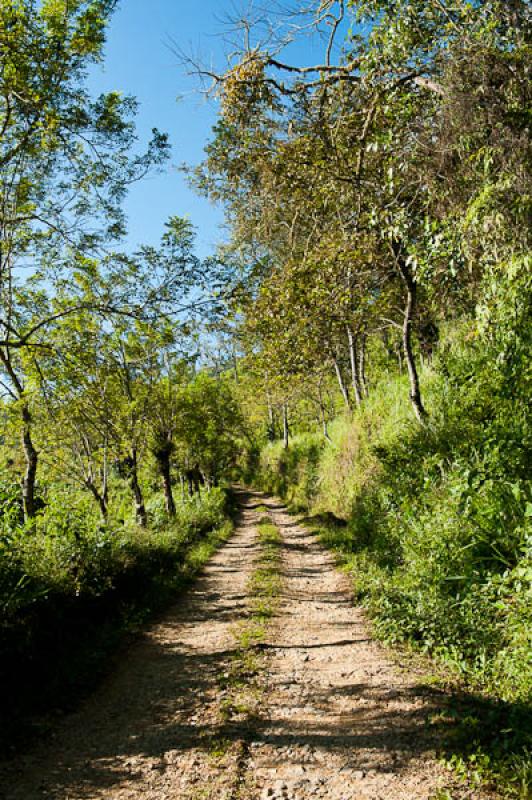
<point x="292" y="472"/>
<point x="68" y="552"/>
<point x="437" y="517"/>
<point x="71" y="588"/>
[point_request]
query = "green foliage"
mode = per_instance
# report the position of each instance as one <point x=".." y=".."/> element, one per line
<point x="209" y="420"/>
<point x="67" y="551"/>
<point x="72" y="587"/>
<point x="265" y="582"/>
<point x="433" y="525"/>
<point x="437" y="530"/>
<point x="384" y="202"/>
<point x="292" y="472"/>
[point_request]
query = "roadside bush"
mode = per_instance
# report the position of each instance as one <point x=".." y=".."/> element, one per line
<point x="70" y="584"/>
<point x="436" y="518"/>
<point x="292" y="472"/>
<point x="67" y="549"/>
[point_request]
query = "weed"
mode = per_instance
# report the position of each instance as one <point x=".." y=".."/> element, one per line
<point x="264" y="588"/>
<point x="219" y="747"/>
<point x="85" y="590"/>
<point x="432" y="524"/>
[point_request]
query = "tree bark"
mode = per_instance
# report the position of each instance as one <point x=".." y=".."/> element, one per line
<point x="286" y="429"/>
<point x="140" y="508"/>
<point x="362" y="365"/>
<point x="343" y="388"/>
<point x="409" y="314"/>
<point x="271" y="419"/>
<point x="353" y="357"/>
<point x="164" y="465"/>
<point x="323" y="418"/>
<point x="100" y="497"/>
<point x="31" y="457"/>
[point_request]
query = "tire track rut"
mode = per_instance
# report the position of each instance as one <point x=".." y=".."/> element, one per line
<point x="332" y="717"/>
<point x="340" y="721"/>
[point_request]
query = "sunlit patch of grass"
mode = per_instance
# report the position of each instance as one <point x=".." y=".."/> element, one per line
<point x="235" y="705"/>
<point x="264" y="587"/>
<point x="489" y="749"/>
<point x="265" y="581"/>
<point x="200" y="553"/>
<point x="219" y="747"/>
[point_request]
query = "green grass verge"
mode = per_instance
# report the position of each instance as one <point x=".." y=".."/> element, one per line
<point x="66" y="665"/>
<point x="264" y="586"/>
<point x="487" y="742"/>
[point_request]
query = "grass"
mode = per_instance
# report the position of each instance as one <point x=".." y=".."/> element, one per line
<point x="74" y="652"/>
<point x="487" y="741"/>
<point x="433" y="525"/>
<point x="265" y="582"/>
<point x="264" y="586"/>
<point x="239" y="681"/>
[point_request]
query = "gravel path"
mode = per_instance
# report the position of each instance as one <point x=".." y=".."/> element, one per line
<point x="331" y="717"/>
<point x="340" y="721"/>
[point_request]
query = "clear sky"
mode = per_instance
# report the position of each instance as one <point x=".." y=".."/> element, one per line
<point x="139" y="61"/>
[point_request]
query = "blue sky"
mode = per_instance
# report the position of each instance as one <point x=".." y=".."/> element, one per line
<point x="139" y="61"/>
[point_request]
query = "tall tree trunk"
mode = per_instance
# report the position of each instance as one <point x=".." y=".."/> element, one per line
<point x="362" y="365"/>
<point x="271" y="419"/>
<point x="105" y="482"/>
<point x="164" y="466"/>
<point x="325" y="426"/>
<point x="341" y="383"/>
<point x="323" y="418"/>
<point x="286" y="429"/>
<point x="353" y="357"/>
<point x="400" y="358"/>
<point x="140" y="508"/>
<point x="408" y="319"/>
<point x="100" y="497"/>
<point x="390" y="348"/>
<point x="31" y="457"/>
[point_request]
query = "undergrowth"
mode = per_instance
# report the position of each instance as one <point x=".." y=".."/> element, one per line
<point x="432" y="523"/>
<point x="72" y="589"/>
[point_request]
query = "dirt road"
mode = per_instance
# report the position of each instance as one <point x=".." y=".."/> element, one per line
<point x="331" y="717"/>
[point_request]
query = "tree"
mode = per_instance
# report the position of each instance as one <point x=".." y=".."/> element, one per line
<point x="345" y="146"/>
<point x="66" y="165"/>
<point x="97" y="364"/>
<point x="207" y="427"/>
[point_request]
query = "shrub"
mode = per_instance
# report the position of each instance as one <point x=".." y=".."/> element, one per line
<point x="292" y="472"/>
<point x="437" y="516"/>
